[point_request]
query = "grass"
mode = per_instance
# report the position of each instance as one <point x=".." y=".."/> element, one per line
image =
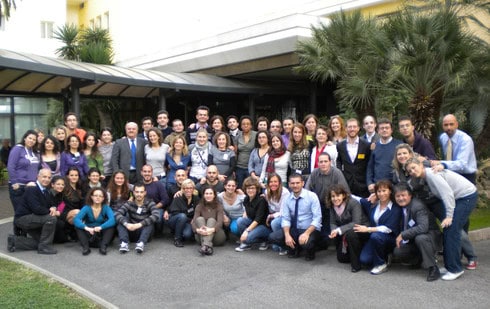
<point x="480" y="218"/>
<point x="21" y="287"/>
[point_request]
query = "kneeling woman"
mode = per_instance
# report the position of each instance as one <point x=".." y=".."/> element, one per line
<point x="384" y="219"/>
<point x="208" y="222"/>
<point x="345" y="212"/>
<point x="252" y="226"/>
<point x="95" y="222"/>
<point x="180" y="213"/>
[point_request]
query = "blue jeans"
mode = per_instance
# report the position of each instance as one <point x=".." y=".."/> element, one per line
<point x="241" y="174"/>
<point x="140" y="235"/>
<point x="452" y="234"/>
<point x="181" y="226"/>
<point x="258" y="234"/>
<point x="467" y="247"/>
<point x="276" y="224"/>
<point x="377" y="248"/>
<point x="16" y="196"/>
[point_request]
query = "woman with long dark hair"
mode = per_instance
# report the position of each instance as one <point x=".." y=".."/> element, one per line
<point x="23" y="166"/>
<point x="95" y="223"/>
<point x="118" y="190"/>
<point x="91" y="152"/>
<point x="276" y="161"/>
<point x="50" y="155"/>
<point x="73" y="156"/>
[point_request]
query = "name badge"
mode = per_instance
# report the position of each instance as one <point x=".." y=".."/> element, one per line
<point x="225" y="156"/>
<point x="361" y="156"/>
<point x="140" y="209"/>
<point x="411" y="222"/>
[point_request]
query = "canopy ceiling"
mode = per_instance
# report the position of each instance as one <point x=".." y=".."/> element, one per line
<point x="22" y="73"/>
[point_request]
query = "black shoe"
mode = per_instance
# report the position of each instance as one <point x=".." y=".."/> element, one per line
<point x="293" y="254"/>
<point x="355" y="269"/>
<point x="86" y="251"/>
<point x="19" y="232"/>
<point x="178" y="243"/>
<point x="103" y="249"/>
<point x="433" y="274"/>
<point x="46" y="250"/>
<point x="310" y="256"/>
<point x="11" y="243"/>
<point x="209" y="251"/>
<point x="203" y="250"/>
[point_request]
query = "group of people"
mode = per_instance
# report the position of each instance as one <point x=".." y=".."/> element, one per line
<point x="292" y="186"/>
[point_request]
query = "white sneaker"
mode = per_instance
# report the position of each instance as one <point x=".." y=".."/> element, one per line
<point x="449" y="276"/>
<point x="243" y="247"/>
<point x="124" y="247"/>
<point x="379" y="269"/>
<point x="263" y="246"/>
<point x="140" y="247"/>
<point x="283" y="252"/>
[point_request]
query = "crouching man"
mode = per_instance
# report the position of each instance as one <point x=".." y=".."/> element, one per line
<point x="417" y="242"/>
<point x="135" y="220"/>
<point x="36" y="218"/>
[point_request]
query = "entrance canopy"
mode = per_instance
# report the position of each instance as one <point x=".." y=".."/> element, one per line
<point x="22" y="73"/>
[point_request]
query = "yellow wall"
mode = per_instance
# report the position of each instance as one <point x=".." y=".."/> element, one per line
<point x="383" y="8"/>
<point x="91" y="9"/>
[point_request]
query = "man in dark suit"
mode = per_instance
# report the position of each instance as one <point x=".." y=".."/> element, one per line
<point x="36" y="218"/>
<point x="146" y="125"/>
<point x="419" y="233"/>
<point x="369" y="126"/>
<point x="128" y="153"/>
<point x="353" y="157"/>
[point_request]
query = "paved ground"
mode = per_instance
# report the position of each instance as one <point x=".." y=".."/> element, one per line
<point x="169" y="277"/>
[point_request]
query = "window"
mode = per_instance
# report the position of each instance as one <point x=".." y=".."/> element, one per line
<point x="47" y="29"/>
<point x="98" y="22"/>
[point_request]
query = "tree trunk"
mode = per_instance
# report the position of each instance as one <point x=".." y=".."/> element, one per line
<point x="483" y="140"/>
<point x="104" y="117"/>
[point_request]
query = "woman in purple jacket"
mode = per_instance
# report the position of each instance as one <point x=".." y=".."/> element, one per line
<point x="23" y="166"/>
<point x="74" y="156"/>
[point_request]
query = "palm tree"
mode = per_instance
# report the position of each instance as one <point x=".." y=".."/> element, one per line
<point x="432" y="58"/>
<point x="68" y="34"/>
<point x="5" y="7"/>
<point x="92" y="45"/>
<point x="341" y="52"/>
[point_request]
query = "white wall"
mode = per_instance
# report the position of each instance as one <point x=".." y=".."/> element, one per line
<point x="22" y="32"/>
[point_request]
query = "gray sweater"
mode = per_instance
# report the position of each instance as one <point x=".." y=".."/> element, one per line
<point x="449" y="186"/>
<point x="320" y="183"/>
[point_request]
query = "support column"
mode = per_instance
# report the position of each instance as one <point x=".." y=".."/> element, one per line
<point x="13" y="138"/>
<point x="75" y="97"/>
<point x="162" y="103"/>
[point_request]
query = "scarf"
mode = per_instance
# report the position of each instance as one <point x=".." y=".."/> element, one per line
<point x="270" y="168"/>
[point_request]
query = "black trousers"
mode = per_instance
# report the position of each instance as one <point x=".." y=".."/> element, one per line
<point x="350" y="251"/>
<point x="103" y="238"/>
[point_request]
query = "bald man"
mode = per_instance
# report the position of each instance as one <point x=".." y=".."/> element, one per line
<point x="462" y="158"/>
<point x="128" y="153"/>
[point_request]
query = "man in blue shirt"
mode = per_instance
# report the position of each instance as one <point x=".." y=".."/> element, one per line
<point x="461" y="158"/>
<point x="301" y="219"/>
